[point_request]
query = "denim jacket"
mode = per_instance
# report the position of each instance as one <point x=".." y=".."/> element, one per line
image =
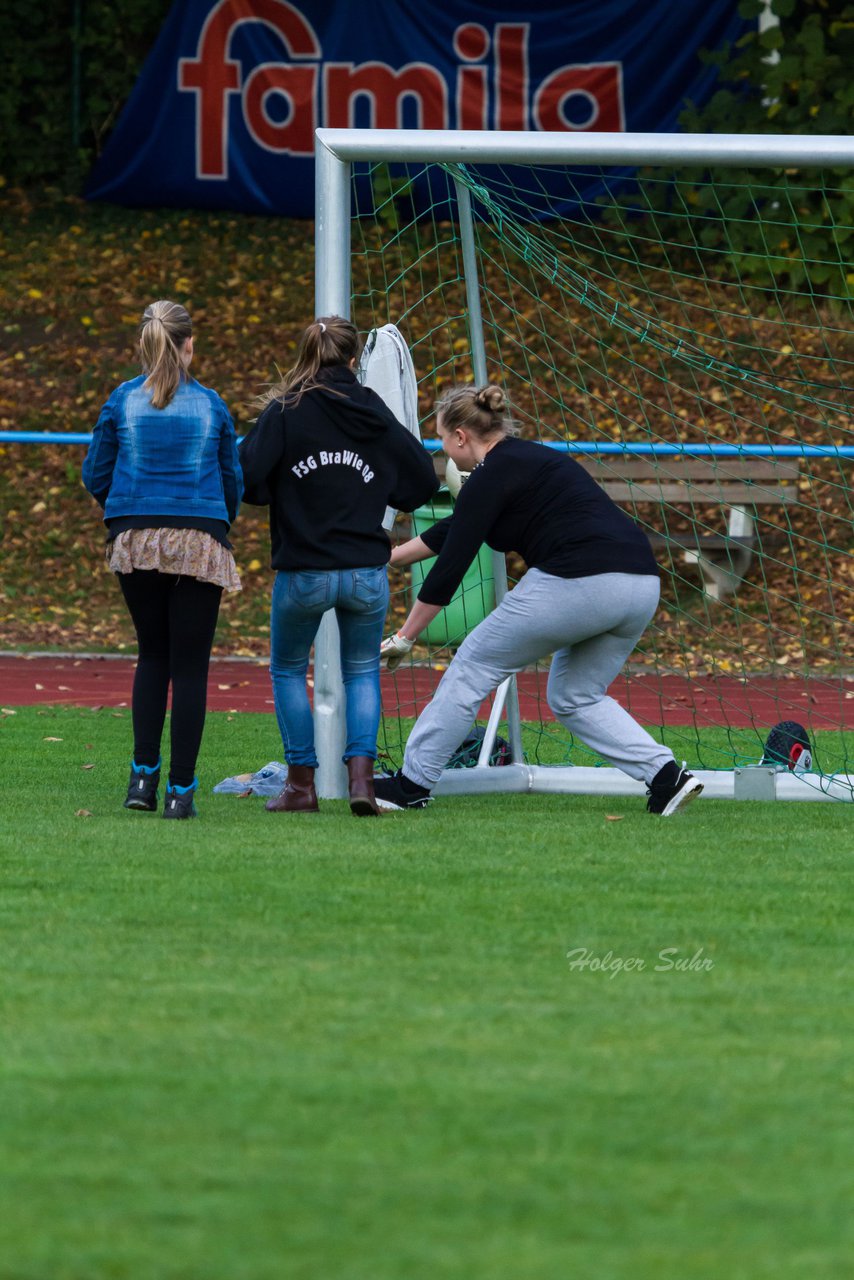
<point x="181" y="460"/>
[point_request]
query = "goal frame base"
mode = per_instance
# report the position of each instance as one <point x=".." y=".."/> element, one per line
<point x="718" y="784"/>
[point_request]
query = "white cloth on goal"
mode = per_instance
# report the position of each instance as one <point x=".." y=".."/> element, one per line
<point x="386" y="367"/>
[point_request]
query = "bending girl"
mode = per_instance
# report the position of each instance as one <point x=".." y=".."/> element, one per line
<point x="591" y="588"/>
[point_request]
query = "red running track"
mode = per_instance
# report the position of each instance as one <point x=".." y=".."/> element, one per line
<point x="821" y="703"/>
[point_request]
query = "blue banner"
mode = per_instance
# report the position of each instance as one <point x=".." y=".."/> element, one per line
<point x="224" y="113"/>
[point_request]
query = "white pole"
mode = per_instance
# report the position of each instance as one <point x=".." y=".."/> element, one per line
<point x="763" y="150"/>
<point x="499" y="563"/>
<point x="331" y="297"/>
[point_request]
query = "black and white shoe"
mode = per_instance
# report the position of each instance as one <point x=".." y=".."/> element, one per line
<point x="671" y="789"/>
<point x="396" y="791"/>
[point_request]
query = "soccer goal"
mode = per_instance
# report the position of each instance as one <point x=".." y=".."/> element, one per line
<point x="676" y="312"/>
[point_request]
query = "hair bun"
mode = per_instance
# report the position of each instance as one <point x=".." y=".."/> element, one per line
<point x="491" y="398"/>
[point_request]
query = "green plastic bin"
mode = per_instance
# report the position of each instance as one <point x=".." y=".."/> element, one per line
<point x="475" y="596"/>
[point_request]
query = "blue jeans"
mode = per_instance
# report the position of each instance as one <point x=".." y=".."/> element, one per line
<point x="360" y="600"/>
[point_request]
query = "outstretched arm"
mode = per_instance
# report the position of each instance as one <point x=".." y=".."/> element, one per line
<point x="420" y="617"/>
<point x="411" y="551"/>
<point x="398" y="645"/>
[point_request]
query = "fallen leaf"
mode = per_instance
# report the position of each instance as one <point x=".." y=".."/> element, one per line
<point x="613" y="817"/>
<point x="51" y="739"/>
<point x="83" y="813"/>
<point x="87" y="766"/>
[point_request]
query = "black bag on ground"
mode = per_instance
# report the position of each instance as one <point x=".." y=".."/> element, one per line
<point x="788" y="747"/>
<point x="467" y="753"/>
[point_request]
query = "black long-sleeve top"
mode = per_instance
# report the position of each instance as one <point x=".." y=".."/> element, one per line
<point x="328" y="467"/>
<point x="525" y="497"/>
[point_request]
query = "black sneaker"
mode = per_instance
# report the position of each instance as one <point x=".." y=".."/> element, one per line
<point x="179" y="801"/>
<point x="396" y="791"/>
<point x="671" y="789"/>
<point x="142" y="787"/>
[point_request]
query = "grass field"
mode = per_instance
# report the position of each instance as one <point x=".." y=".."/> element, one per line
<point x="256" y="1046"/>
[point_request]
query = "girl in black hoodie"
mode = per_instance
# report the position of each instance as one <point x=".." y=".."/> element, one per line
<point x="328" y="457"/>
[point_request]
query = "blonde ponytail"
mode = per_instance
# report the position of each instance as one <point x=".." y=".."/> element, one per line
<point x="329" y="341"/>
<point x="165" y="328"/>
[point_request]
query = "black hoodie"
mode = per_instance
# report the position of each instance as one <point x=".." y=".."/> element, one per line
<point x="329" y="467"/>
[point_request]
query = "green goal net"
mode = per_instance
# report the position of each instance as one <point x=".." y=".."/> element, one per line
<point x="688" y="336"/>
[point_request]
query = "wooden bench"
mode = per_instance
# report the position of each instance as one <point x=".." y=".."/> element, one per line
<point x="698" y="492"/>
<point x="708" y="491"/>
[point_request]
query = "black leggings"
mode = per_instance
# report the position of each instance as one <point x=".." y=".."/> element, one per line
<point x="175" y="619"/>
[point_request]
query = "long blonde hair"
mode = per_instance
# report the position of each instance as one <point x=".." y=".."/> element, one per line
<point x="329" y="341"/>
<point x="165" y="328"/>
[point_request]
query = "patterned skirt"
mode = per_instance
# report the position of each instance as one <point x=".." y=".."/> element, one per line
<point x="188" y="553"/>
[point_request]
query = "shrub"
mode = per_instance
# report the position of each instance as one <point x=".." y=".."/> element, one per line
<point x="794" y="78"/>
<point x="65" y="81"/>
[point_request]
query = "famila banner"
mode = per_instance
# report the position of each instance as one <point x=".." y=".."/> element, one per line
<point x="224" y="112"/>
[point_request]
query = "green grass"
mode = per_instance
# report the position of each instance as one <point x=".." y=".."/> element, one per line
<point x="257" y="1046"/>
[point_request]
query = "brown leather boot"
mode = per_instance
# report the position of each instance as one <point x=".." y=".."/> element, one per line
<point x="298" y="794"/>
<point x="362" y="801"/>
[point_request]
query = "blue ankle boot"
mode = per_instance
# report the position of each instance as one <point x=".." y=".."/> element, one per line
<point x="142" y="786"/>
<point x="179" y="801"/>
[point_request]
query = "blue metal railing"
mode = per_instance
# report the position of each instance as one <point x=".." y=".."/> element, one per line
<point x="568" y="446"/>
<point x="694" y="450"/>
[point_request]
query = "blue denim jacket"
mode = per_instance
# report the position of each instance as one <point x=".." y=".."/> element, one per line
<point x="181" y="460"/>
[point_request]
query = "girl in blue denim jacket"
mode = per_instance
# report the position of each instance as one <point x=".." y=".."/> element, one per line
<point x="163" y="464"/>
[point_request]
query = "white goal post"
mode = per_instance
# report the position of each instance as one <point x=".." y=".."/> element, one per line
<point x="336" y="150"/>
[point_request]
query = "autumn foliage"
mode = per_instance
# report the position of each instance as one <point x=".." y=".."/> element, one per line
<point x="74" y="279"/>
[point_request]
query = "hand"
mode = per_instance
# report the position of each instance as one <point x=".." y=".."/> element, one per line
<point x="394" y="650"/>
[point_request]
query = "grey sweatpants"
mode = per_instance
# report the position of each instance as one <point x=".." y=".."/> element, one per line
<point x="591" y="625"/>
